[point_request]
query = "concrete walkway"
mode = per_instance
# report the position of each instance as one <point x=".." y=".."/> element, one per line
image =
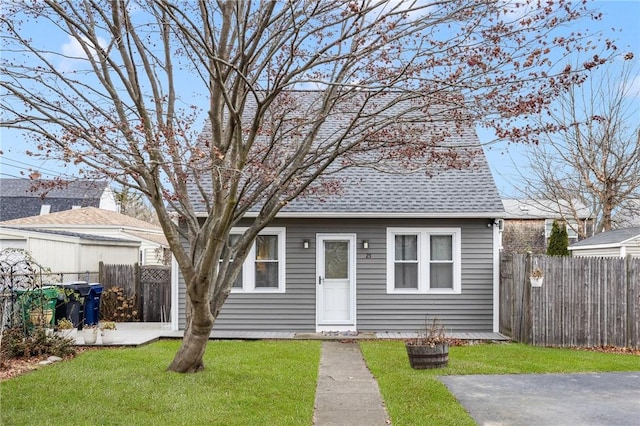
<point x="347" y="394"/>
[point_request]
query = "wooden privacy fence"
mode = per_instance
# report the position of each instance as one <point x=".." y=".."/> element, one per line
<point x="151" y="285"/>
<point x="583" y="301"/>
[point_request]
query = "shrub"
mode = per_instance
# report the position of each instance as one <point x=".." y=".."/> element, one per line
<point x="116" y="306"/>
<point x="17" y="344"/>
<point x="558" y="240"/>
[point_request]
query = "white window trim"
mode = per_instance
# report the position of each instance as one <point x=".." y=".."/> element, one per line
<point x="424" y="260"/>
<point x="248" y="268"/>
<point x="570" y="225"/>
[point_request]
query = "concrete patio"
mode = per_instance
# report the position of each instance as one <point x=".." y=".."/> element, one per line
<point x="141" y="333"/>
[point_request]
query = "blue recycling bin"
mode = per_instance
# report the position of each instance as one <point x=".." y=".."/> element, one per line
<point x="92" y="304"/>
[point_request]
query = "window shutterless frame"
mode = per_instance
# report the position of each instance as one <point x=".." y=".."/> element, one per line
<point x="265" y="264"/>
<point x="436" y="258"/>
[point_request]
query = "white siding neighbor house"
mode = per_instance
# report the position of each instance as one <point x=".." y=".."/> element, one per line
<point x="103" y="223"/>
<point x="617" y="243"/>
<point x="69" y="252"/>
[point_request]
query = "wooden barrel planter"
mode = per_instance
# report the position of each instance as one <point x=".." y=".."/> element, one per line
<point x="423" y="357"/>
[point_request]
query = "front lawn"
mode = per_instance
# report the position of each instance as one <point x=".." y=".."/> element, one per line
<point x="245" y="382"/>
<point x="261" y="382"/>
<point x="416" y="397"/>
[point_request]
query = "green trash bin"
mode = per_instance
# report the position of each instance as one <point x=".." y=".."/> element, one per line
<point x="38" y="305"/>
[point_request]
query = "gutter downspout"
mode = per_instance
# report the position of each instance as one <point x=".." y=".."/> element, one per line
<point x="496" y="278"/>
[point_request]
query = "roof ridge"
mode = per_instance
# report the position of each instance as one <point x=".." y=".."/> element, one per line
<point x="71" y="217"/>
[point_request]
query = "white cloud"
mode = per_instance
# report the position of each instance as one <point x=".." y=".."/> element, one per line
<point x="74" y="56"/>
<point x="310" y="85"/>
<point x="515" y="10"/>
<point x="634" y="88"/>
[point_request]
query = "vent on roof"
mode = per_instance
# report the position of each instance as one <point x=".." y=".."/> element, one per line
<point x="45" y="209"/>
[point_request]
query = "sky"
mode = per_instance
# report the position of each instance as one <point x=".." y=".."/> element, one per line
<point x="507" y="161"/>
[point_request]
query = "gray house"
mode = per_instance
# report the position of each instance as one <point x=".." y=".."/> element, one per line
<point x="25" y="198"/>
<point x="387" y="251"/>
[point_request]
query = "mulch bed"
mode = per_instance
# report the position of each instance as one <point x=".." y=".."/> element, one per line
<point x="10" y="368"/>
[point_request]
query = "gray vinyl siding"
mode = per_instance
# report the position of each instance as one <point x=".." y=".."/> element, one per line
<point x="294" y="310"/>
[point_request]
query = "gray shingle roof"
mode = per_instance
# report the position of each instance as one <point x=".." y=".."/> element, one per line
<point x="469" y="192"/>
<point x="367" y="192"/>
<point x="616" y="236"/>
<point x="23" y="197"/>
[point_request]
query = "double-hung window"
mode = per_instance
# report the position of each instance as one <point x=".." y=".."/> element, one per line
<point x="571" y="226"/>
<point x="233" y="239"/>
<point x="423" y="260"/>
<point x="264" y="268"/>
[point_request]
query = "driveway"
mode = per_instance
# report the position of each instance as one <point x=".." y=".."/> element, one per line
<point x="549" y="399"/>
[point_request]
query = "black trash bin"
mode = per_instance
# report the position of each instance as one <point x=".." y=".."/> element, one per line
<point x="92" y="304"/>
<point x="71" y="302"/>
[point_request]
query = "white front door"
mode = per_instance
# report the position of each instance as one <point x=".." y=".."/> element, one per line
<point x="335" y="282"/>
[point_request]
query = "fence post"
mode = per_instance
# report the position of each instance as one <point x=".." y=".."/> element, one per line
<point x="628" y="323"/>
<point x="101" y="278"/>
<point x="138" y="291"/>
<point x="527" y="311"/>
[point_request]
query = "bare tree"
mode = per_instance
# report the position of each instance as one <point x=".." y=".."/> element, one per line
<point x="592" y="157"/>
<point x="133" y="204"/>
<point x="123" y="99"/>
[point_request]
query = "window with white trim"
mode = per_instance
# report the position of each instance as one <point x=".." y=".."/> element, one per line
<point x="233" y="239"/>
<point x="264" y="268"/>
<point x="423" y="260"/>
<point x="570" y="225"/>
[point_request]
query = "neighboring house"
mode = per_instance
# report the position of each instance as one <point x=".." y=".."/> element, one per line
<point x="628" y="215"/>
<point x="24" y="197"/>
<point x="153" y="246"/>
<point x="69" y="252"/>
<point x="383" y="255"/>
<point x="527" y="224"/>
<point x="616" y="243"/>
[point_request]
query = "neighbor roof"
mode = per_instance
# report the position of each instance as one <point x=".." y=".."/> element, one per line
<point x="23" y="197"/>
<point x="615" y="237"/>
<point x="367" y="192"/>
<point x="541" y="209"/>
<point x="80" y="235"/>
<point x="85" y="216"/>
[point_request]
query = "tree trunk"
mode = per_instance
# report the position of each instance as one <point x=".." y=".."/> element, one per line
<point x="607" y="213"/>
<point x="189" y="358"/>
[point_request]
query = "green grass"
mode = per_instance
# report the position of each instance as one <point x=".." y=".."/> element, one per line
<point x="416" y="397"/>
<point x="245" y="382"/>
<point x="261" y="383"/>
